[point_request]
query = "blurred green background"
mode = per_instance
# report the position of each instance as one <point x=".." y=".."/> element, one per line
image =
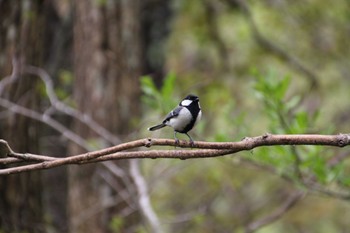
<point x="258" y="66"/>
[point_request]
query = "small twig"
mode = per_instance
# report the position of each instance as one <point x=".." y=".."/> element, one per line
<point x="5" y="149"/>
<point x="5" y="161"/>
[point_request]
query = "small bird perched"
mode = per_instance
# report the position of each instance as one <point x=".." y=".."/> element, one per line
<point x="183" y="117"/>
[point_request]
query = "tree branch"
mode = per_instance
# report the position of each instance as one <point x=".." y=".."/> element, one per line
<point x="275" y="215"/>
<point x="143" y="197"/>
<point x="294" y="62"/>
<point x="199" y="150"/>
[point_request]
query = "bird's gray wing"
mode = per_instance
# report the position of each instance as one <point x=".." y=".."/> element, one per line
<point x="174" y="113"/>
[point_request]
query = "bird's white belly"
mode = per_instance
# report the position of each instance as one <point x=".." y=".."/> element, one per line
<point x="181" y="121"/>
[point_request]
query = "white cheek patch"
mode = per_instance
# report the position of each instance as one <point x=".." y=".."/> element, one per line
<point x="186" y="102"/>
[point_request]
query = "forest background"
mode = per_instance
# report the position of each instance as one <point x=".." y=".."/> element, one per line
<point x="79" y="76"/>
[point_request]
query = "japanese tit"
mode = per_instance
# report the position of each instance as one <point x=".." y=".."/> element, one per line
<point x="183" y="118"/>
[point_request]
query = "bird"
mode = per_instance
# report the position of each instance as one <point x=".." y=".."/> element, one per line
<point x="182" y="118"/>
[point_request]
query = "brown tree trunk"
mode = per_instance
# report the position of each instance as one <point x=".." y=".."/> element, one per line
<point x="107" y="64"/>
<point x="21" y="199"/>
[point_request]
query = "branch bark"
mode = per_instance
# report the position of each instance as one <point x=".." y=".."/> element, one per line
<point x="199" y="150"/>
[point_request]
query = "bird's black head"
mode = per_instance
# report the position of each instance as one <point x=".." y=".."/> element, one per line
<point x="188" y="100"/>
<point x="191" y="97"/>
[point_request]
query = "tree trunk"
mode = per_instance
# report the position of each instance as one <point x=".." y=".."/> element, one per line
<point x="107" y="65"/>
<point x="21" y="199"/>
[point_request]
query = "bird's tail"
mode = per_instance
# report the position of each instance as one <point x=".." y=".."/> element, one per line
<point x="157" y="127"/>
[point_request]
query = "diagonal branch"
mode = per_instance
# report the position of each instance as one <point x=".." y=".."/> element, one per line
<point x="294" y="62"/>
<point x="143" y="197"/>
<point x="275" y="215"/>
<point x="62" y="107"/>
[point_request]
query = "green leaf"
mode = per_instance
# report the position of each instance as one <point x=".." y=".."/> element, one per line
<point x="147" y="86"/>
<point x="302" y="121"/>
<point x="169" y="85"/>
<point x="66" y="77"/>
<point x="281" y="88"/>
<point x="293" y="102"/>
<point x="116" y="224"/>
